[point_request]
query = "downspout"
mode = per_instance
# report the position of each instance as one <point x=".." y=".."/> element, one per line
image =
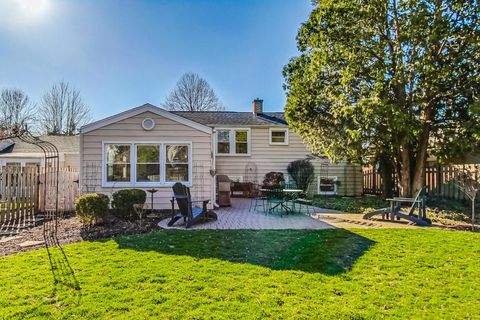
<point x="213" y="170"/>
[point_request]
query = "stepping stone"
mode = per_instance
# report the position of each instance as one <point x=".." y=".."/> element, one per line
<point x="10" y="239"/>
<point x="30" y="243"/>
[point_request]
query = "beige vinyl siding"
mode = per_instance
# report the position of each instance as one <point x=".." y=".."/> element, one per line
<point x="130" y="130"/>
<point x="268" y="158"/>
<point x="350" y="177"/>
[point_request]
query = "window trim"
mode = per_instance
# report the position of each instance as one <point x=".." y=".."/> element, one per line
<point x="164" y="164"/>
<point x="133" y="165"/>
<point x="278" y="130"/>
<point x="151" y="183"/>
<point x="328" y="193"/>
<point x="232" y="142"/>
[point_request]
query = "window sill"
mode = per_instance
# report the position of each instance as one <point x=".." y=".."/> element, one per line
<point x="233" y="155"/>
<point x="328" y="193"/>
<point x="278" y="144"/>
<point x="143" y="184"/>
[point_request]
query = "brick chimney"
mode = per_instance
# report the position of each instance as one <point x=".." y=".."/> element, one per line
<point x="257" y="105"/>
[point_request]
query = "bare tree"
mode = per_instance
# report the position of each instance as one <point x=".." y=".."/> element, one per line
<point x="468" y="182"/>
<point x="15" y="109"/>
<point x="62" y="111"/>
<point x="193" y="93"/>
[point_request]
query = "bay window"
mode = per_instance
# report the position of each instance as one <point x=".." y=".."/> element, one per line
<point x="146" y="164"/>
<point x="231" y="142"/>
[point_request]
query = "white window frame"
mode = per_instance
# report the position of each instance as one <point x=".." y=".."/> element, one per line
<point x="133" y="164"/>
<point x="334" y="192"/>
<point x="164" y="164"/>
<point x="285" y="143"/>
<point x="232" y="142"/>
<point x="149" y="183"/>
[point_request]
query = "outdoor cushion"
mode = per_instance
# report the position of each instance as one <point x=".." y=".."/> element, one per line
<point x="196" y="211"/>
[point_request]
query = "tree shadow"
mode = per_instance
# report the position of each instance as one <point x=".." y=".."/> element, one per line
<point x="330" y="251"/>
<point x="65" y="283"/>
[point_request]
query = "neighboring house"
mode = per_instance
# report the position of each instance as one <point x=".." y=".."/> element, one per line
<point x="148" y="147"/>
<point x="16" y="153"/>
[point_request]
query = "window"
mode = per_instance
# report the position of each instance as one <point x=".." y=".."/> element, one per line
<point x="146" y="164"/>
<point x="233" y="142"/>
<point x="278" y="136"/>
<point x="327" y="185"/>
<point x="223" y="138"/>
<point x="118" y="162"/>
<point x="176" y="163"/>
<point x="241" y="142"/>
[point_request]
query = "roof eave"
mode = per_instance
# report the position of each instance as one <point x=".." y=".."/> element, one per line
<point x="141" y="109"/>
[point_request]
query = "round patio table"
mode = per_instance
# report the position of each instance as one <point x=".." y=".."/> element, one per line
<point x="283" y="204"/>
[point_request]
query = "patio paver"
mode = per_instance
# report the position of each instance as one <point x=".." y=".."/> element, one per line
<point x="238" y="216"/>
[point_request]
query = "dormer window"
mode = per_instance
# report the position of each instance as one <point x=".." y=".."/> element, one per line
<point x="279" y="136"/>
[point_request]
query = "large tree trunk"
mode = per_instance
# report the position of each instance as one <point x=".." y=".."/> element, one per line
<point x="386" y="171"/>
<point x="412" y="166"/>
<point x="405" y="174"/>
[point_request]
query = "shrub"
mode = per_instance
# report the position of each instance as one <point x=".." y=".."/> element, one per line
<point x="302" y="173"/>
<point x="91" y="208"/>
<point x="123" y="201"/>
<point x="273" y="180"/>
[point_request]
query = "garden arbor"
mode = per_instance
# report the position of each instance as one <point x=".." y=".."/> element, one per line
<point x="28" y="192"/>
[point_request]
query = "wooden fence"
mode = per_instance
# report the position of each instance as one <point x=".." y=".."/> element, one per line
<point x="438" y="181"/>
<point x="22" y="194"/>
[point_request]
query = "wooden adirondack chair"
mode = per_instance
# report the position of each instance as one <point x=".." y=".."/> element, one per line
<point x="189" y="213"/>
<point x="395" y="209"/>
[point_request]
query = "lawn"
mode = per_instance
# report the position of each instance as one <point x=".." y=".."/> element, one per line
<point x="365" y="273"/>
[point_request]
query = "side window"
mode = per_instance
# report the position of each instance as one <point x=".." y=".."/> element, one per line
<point x="278" y="136"/>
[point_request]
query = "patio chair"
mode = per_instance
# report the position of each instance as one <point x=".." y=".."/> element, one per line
<point x="259" y="199"/>
<point x="189" y="213"/>
<point x="395" y="212"/>
<point x="304" y="201"/>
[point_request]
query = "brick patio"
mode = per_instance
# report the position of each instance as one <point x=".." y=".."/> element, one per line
<point x="238" y="216"/>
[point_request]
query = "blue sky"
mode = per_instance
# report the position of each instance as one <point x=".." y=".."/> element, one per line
<point x="121" y="54"/>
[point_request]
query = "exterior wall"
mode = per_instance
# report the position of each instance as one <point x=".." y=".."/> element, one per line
<point x="350" y="177"/>
<point x="130" y="130"/>
<point x="264" y="156"/>
<point x="72" y="160"/>
<point x="268" y="158"/>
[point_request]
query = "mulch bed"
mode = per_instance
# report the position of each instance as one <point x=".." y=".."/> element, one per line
<point x="69" y="230"/>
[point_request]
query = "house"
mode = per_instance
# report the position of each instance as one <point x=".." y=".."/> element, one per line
<point x="149" y="147"/>
<point x="17" y="153"/>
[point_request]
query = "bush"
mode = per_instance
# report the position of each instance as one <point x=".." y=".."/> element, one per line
<point x="92" y="208"/>
<point x="302" y="173"/>
<point x="273" y="180"/>
<point x="123" y="201"/>
<point x="351" y="204"/>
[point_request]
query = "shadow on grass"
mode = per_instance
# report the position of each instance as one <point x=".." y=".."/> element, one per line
<point x="65" y="284"/>
<point x="331" y="251"/>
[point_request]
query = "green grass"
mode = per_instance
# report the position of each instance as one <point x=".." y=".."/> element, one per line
<point x="367" y="273"/>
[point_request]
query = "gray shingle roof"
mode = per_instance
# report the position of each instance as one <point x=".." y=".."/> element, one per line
<point x="219" y="118"/>
<point x="63" y="144"/>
